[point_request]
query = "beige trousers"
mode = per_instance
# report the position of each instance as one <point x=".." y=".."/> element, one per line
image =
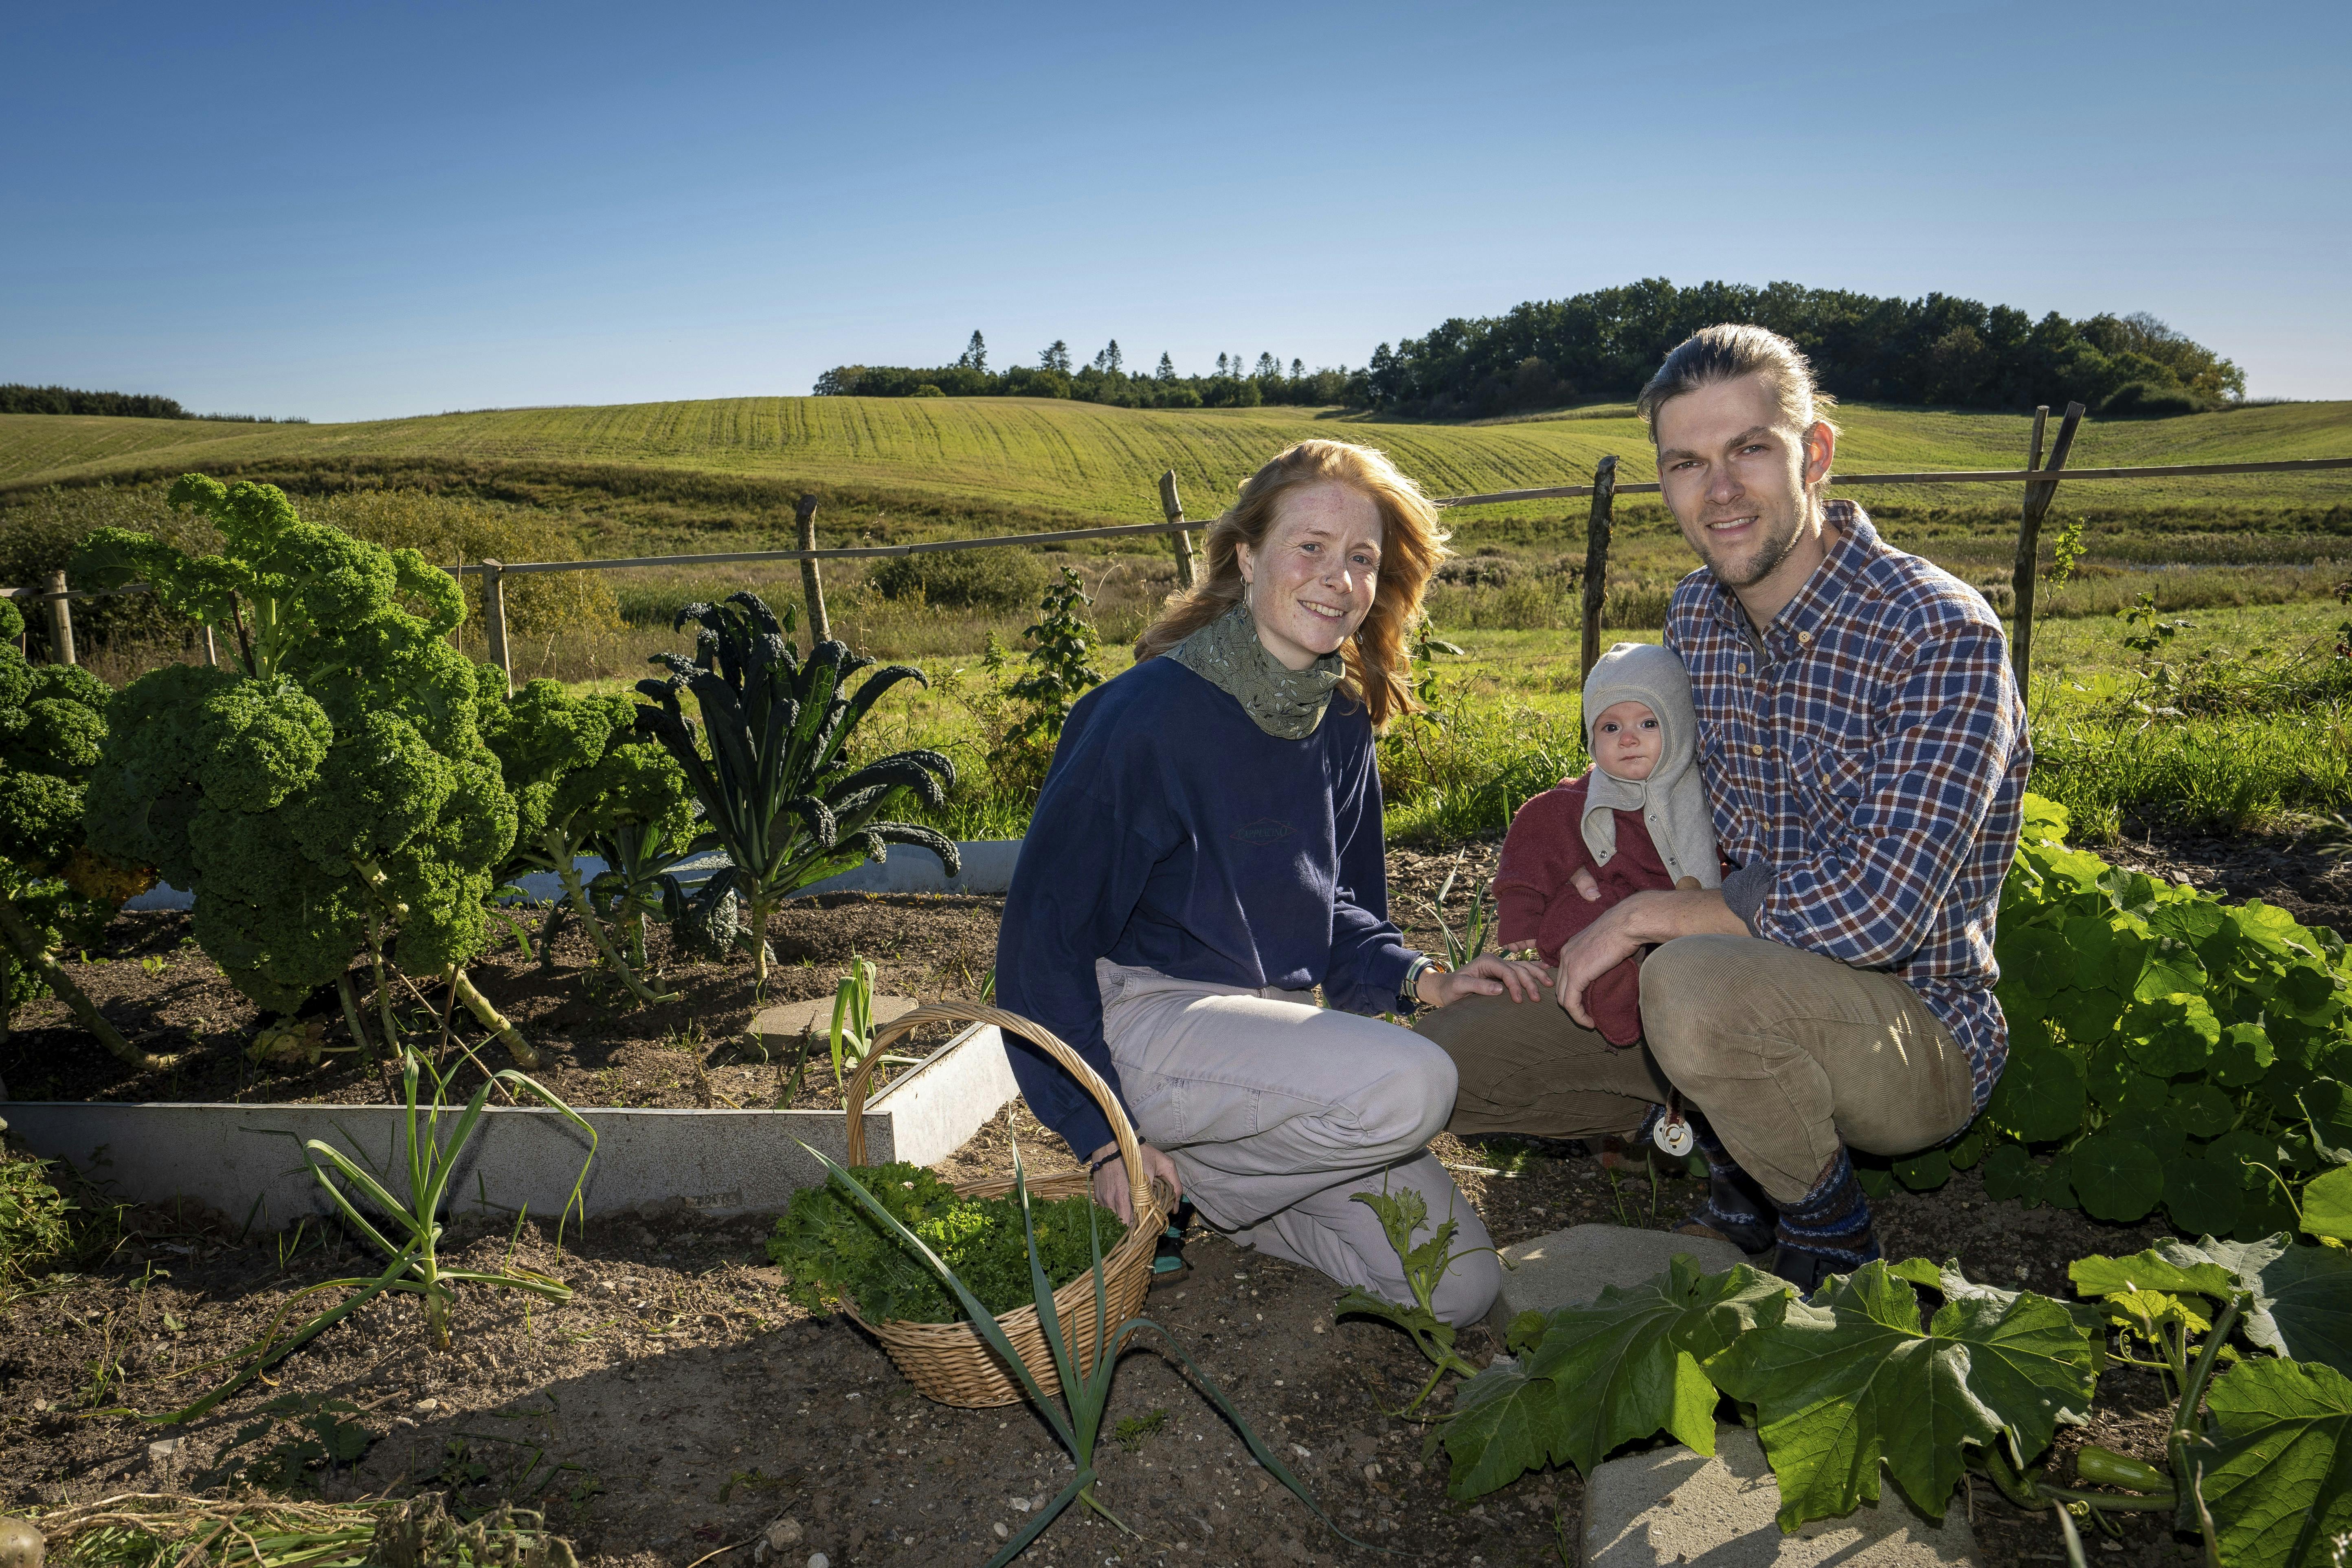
<point x="1787" y="1052"/>
<point x="1277" y="1111"/>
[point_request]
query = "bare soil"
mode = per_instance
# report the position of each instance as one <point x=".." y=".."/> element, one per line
<point x="677" y="1404"/>
<point x="598" y="1046"/>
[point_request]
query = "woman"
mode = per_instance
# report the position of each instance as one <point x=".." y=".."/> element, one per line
<point x="1207" y="851"/>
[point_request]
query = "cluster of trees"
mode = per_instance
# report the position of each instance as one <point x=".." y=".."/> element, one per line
<point x="1235" y="383"/>
<point x="17" y="398"/>
<point x="1936" y="350"/>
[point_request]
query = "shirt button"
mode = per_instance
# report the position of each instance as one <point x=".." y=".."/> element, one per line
<point x="1743" y="670"/>
<point x="1804" y="636"/>
<point x="1755" y="751"/>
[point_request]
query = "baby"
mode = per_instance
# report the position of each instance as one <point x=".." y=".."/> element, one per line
<point x="1637" y="820"/>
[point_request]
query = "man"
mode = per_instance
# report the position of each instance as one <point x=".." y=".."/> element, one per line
<point x="1864" y="752"/>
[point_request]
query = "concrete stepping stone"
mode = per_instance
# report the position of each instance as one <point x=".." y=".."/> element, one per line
<point x="780" y="1028"/>
<point x="1671" y="1507"/>
<point x="1570" y="1268"/>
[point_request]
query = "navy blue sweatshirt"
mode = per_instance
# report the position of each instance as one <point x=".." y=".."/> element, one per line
<point x="1175" y="834"/>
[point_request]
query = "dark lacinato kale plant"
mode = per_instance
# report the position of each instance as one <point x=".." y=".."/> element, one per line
<point x="832" y="1251"/>
<point x="55" y="890"/>
<point x="779" y="789"/>
<point x="328" y="799"/>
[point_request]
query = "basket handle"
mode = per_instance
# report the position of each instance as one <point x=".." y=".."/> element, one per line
<point x="1121" y="1129"/>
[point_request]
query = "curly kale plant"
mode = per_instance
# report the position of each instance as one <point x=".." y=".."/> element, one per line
<point x="778" y="792"/>
<point x="333" y="795"/>
<point x="582" y="777"/>
<point x="53" y="889"/>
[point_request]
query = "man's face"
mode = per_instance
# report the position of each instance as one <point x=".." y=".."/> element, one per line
<point x="1734" y="478"/>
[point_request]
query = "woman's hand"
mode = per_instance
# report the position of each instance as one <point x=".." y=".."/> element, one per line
<point x="1110" y="1178"/>
<point x="1488" y="976"/>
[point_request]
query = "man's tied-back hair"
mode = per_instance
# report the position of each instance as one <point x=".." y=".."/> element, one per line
<point x="1726" y="351"/>
<point x="1412" y="544"/>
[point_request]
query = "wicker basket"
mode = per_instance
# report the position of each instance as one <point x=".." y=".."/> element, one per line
<point x="950" y="1362"/>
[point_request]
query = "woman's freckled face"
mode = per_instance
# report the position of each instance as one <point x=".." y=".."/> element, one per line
<point x="1311" y="583"/>
<point x="1627" y="741"/>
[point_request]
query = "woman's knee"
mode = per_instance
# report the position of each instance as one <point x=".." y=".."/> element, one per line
<point x="1468" y="1290"/>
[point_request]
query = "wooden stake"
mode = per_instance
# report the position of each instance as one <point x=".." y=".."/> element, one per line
<point x="211" y="651"/>
<point x="2038" y="496"/>
<point x="494" y="619"/>
<point x="1596" y="558"/>
<point x="820" y="628"/>
<point x="1181" y="540"/>
<point x="61" y="647"/>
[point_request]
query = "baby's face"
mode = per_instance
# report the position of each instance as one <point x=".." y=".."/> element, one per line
<point x="1627" y="741"/>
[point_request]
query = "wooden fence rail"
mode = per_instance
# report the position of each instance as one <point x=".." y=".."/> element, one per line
<point x="2039" y="478"/>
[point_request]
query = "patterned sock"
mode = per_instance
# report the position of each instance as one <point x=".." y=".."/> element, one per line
<point x="1828" y="1230"/>
<point x="1735" y="1207"/>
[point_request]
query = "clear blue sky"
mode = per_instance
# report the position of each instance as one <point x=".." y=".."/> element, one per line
<point x="349" y="210"/>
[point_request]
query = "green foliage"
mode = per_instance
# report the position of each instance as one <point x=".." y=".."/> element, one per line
<point x="1401" y="1215"/>
<point x="2167" y="1049"/>
<point x="33" y="1231"/>
<point x="833" y="1251"/>
<point x="2278" y="1478"/>
<point x="1061" y="643"/>
<point x="53" y="888"/>
<point x="1589" y="1379"/>
<point x="332" y="790"/>
<point x="582" y="773"/>
<point x="1848" y="1379"/>
<point x="778" y="789"/>
<point x="1077" y="1421"/>
<point x="963" y="579"/>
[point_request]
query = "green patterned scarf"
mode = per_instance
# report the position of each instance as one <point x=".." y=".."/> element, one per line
<point x="1282" y="701"/>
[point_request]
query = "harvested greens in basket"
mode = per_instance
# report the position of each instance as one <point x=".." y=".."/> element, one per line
<point x="830" y="1250"/>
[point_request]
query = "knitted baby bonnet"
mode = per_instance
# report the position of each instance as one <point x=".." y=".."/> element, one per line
<point x="1672" y="800"/>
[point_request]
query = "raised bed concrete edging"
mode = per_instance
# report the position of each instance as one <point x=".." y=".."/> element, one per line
<point x="987" y="868"/>
<point x="238" y="1159"/>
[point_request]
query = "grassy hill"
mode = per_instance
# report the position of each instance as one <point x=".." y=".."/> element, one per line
<point x="1017" y="460"/>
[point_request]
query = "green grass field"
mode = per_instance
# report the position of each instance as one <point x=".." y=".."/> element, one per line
<point x="1088" y="462"/>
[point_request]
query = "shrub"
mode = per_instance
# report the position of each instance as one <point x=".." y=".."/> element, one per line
<point x="963" y="579"/>
<point x="929" y="389"/>
<point x="2151" y="400"/>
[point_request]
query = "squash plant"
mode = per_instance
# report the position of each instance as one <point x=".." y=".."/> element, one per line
<point x="1857" y="1384"/>
<point x="779" y="791"/>
<point x="2167" y="1049"/>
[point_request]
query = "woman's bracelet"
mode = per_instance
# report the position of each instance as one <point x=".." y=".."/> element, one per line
<point x="1409" y="994"/>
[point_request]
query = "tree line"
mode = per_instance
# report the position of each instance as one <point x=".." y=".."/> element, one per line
<point x="1235" y="383"/>
<point x="17" y="398"/>
<point x="1937" y="350"/>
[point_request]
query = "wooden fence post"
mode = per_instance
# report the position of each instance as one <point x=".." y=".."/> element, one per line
<point x="212" y="653"/>
<point x="1181" y="540"/>
<point x="1596" y="559"/>
<point x="2038" y="496"/>
<point x="494" y="619"/>
<point x="820" y="628"/>
<point x="61" y="646"/>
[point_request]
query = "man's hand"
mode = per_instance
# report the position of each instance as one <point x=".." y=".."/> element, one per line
<point x="1488" y="976"/>
<point x="1631" y="925"/>
<point x="1111" y="1180"/>
<point x="1587" y="889"/>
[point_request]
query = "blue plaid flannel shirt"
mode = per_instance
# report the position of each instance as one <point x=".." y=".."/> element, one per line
<point x="1866" y="757"/>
